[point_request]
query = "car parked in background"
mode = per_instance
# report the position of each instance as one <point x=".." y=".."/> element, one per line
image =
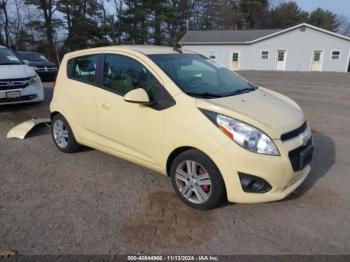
<point x="186" y="116"/>
<point x="44" y="68"/>
<point x="19" y="83"/>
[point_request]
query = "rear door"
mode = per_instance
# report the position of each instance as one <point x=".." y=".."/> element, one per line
<point x="80" y="96"/>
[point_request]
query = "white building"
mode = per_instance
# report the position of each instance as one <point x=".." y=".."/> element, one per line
<point x="300" y="48"/>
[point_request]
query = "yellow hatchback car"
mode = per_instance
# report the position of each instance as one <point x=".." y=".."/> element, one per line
<point x="185" y="116"/>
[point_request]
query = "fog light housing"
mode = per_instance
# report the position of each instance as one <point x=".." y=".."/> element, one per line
<point x="253" y="184"/>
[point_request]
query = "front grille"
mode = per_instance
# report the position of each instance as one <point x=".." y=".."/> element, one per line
<point x="294" y="133"/>
<point x="18" y="99"/>
<point x="302" y="156"/>
<point x="10" y="84"/>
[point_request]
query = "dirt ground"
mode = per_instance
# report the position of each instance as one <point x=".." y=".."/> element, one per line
<point x="93" y="203"/>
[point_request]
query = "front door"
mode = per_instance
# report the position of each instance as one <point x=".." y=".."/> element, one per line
<point x="281" y="60"/>
<point x="235" y="61"/>
<point x="317" y="60"/>
<point x="131" y="129"/>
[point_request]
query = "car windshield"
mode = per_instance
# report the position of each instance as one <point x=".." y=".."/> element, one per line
<point x="33" y="57"/>
<point x="200" y="76"/>
<point x="7" y="57"/>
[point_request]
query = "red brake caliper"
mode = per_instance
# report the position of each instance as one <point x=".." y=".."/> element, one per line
<point x="206" y="188"/>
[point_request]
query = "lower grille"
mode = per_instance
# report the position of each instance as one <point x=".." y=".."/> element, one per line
<point x="22" y="98"/>
<point x="301" y="156"/>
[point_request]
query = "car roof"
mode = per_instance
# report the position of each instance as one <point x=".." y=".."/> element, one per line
<point x="144" y="49"/>
<point x="154" y="49"/>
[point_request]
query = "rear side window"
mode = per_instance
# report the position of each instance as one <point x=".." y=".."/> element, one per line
<point x="83" y="68"/>
<point x="122" y="74"/>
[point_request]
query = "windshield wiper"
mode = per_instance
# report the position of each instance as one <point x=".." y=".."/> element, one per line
<point x="241" y="91"/>
<point x="205" y="95"/>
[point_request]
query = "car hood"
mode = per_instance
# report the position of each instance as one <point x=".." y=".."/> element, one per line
<point x="16" y="71"/>
<point x="267" y="110"/>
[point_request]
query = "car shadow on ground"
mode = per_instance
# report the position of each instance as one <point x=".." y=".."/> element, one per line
<point x="323" y="160"/>
<point x="42" y="129"/>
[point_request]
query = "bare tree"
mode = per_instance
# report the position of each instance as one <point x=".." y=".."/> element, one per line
<point x="3" y="7"/>
<point x="47" y="9"/>
<point x="344" y="27"/>
<point x="118" y="7"/>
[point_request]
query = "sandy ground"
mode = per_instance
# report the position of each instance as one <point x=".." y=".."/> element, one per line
<point x="93" y="203"/>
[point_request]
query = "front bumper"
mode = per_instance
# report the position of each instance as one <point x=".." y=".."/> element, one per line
<point x="30" y="94"/>
<point x="276" y="170"/>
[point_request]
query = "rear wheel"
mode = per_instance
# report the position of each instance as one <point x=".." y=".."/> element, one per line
<point x="197" y="180"/>
<point x="62" y="135"/>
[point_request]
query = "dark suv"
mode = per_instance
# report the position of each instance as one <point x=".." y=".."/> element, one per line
<point x="42" y="66"/>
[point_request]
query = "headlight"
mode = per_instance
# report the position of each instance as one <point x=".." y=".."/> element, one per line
<point x="33" y="80"/>
<point x="248" y="137"/>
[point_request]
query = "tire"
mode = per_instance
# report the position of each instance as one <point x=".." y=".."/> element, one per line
<point x="62" y="135"/>
<point x="207" y="179"/>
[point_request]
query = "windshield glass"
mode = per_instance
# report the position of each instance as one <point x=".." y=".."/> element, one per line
<point x="33" y="57"/>
<point x="7" y="57"/>
<point x="200" y="76"/>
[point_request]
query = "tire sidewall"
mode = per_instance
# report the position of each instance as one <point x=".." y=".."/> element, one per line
<point x="72" y="145"/>
<point x="218" y="191"/>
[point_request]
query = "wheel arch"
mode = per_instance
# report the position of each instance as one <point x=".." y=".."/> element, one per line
<point x="179" y="151"/>
<point x="174" y="154"/>
<point x="54" y="113"/>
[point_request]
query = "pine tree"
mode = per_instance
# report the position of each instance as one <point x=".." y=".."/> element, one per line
<point x="287" y="15"/>
<point x="324" y="19"/>
<point x="82" y="19"/>
<point x="135" y="21"/>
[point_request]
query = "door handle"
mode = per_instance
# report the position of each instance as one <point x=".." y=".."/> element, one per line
<point x="105" y="107"/>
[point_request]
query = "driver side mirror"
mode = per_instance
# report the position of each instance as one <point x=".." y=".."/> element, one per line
<point x="138" y="96"/>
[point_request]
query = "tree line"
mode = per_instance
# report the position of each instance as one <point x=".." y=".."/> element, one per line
<point x="55" y="27"/>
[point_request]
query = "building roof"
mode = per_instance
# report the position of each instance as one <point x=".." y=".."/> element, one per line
<point x="243" y="36"/>
<point x="229" y="36"/>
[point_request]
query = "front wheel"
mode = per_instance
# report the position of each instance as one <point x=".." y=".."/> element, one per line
<point x="197" y="180"/>
<point x="62" y="135"/>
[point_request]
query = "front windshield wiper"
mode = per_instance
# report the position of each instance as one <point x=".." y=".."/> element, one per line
<point x="205" y="95"/>
<point x="241" y="91"/>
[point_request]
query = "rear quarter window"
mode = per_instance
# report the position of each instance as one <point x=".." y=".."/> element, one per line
<point x="83" y="68"/>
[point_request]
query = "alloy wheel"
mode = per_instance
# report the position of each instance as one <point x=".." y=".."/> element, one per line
<point x="193" y="181"/>
<point x="60" y="133"/>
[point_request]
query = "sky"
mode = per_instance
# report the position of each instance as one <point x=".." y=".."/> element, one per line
<point x="340" y="7"/>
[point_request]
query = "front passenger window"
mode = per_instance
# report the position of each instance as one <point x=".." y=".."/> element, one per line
<point x="122" y="74"/>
